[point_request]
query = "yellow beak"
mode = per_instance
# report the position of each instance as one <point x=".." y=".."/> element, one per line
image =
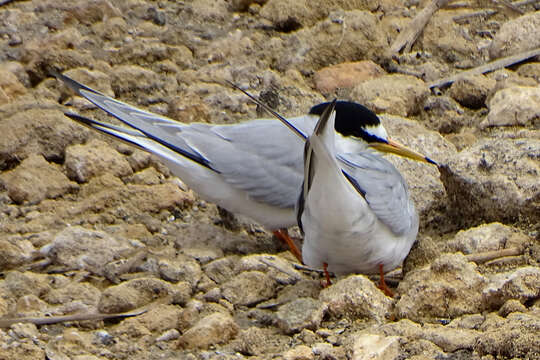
<point x="398" y="149"/>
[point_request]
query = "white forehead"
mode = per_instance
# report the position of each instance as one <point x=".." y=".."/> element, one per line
<point x="377" y="130"/>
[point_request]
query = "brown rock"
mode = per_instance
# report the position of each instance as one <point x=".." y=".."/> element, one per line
<point x="249" y="288"/>
<point x="10" y="85"/>
<point x="472" y="91"/>
<point x="78" y="248"/>
<point x="487" y="237"/>
<point x="346" y="75"/>
<point x="516" y="35"/>
<point x="449" y="287"/>
<point x="34" y="180"/>
<point x="139" y="292"/>
<point x="514" y="106"/>
<point x="356" y="297"/>
<point x="213" y="329"/>
<point x="394" y="94"/>
<point x="483" y="185"/>
<point x="317" y="47"/>
<point x="299" y="314"/>
<point x="521" y="284"/>
<point x="300" y="352"/>
<point x="36" y="130"/>
<point x="95" y="158"/>
<point x="376" y="347"/>
<point x="290" y="15"/>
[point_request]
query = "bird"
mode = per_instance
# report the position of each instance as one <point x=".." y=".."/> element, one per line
<point x="354" y="208"/>
<point x="254" y="168"/>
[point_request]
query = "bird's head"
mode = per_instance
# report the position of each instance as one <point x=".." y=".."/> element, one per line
<point x="358" y="128"/>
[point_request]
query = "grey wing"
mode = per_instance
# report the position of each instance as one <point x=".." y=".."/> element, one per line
<point x="261" y="157"/>
<point x="385" y="189"/>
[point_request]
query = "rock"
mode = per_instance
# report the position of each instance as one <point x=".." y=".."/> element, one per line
<point x="131" y="78"/>
<point x="521" y="284"/>
<point x="111" y="28"/>
<point x="511" y="306"/>
<point x="89" y="12"/>
<point x="316" y="47"/>
<point x="213" y="329"/>
<point x="36" y="131"/>
<point x="346" y="75"/>
<point x="444" y="114"/>
<point x="148" y="176"/>
<point x="472" y="91"/>
<point x="14" y="253"/>
<point x="83" y="292"/>
<point x="376" y="347"/>
<point x="516" y="35"/>
<point x="429" y="195"/>
<point x="356" y="297"/>
<point x="422" y="253"/>
<point x="288" y="16"/>
<point x="445" y="38"/>
<point x="94" y="79"/>
<point x="299" y="314"/>
<point x="269" y="264"/>
<point x="78" y="248"/>
<point x="158" y="319"/>
<point x="514" y="106"/>
<point x="515" y="336"/>
<point x="487" y="237"/>
<point x="20" y="284"/>
<point x="300" y="352"/>
<point x="181" y="268"/>
<point x="249" y="288"/>
<point x="530" y="70"/>
<point x="222" y="269"/>
<point x="393" y="94"/>
<point x="95" y="158"/>
<point x="22" y="185"/>
<point x="483" y="184"/>
<point x="10" y="85"/>
<point x="449" y="287"/>
<point x="135" y="293"/>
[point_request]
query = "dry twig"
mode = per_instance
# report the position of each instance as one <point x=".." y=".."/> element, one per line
<point x="494" y="65"/>
<point x="408" y="36"/>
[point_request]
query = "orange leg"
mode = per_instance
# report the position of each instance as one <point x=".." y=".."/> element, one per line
<point x="283" y="235"/>
<point x="382" y="284"/>
<point x="326" y="275"/>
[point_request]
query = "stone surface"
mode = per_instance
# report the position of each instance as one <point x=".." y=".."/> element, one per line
<point x="488" y="237"/>
<point x="79" y="248"/>
<point x="33" y="130"/>
<point x="356" y="297"/>
<point x="346" y="75"/>
<point x="11" y="86"/>
<point x="299" y="314"/>
<point x="516" y="35"/>
<point x="483" y="185"/>
<point x="376" y="347"/>
<point x="521" y="284"/>
<point x="139" y="292"/>
<point x="249" y="288"/>
<point x="395" y="94"/>
<point x="514" y="106"/>
<point x="211" y="330"/>
<point x="287" y="16"/>
<point x="35" y="179"/>
<point x="472" y="91"/>
<point x="95" y="158"/>
<point x="449" y="287"/>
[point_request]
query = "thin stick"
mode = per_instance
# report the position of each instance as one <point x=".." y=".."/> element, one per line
<point x="407" y="37"/>
<point x="483" y="257"/>
<point x="7" y="322"/>
<point x="494" y="65"/>
<point x="490" y="12"/>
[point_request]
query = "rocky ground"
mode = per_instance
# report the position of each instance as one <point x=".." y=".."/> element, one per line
<point x="93" y="226"/>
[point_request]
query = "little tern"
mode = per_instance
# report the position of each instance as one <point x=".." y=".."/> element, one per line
<point x="254" y="168"/>
<point x="354" y="208"/>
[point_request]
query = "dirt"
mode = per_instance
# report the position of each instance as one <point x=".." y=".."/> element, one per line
<point x="90" y="225"/>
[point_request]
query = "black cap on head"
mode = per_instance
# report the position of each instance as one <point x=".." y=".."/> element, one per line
<point x="352" y="119"/>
